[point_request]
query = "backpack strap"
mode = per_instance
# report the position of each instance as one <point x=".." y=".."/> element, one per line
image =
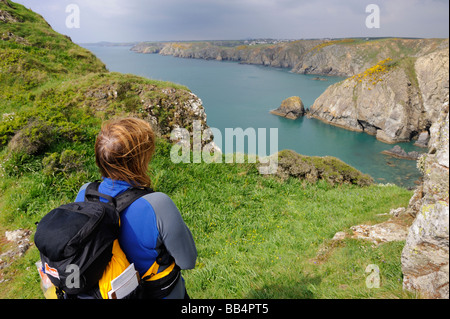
<point x="130" y="196"/>
<point x="93" y="195"/>
<point x="122" y="201"/>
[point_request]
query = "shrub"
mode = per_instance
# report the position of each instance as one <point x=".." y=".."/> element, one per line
<point x="9" y="125"/>
<point x="51" y="163"/>
<point x="313" y="169"/>
<point x="375" y="74"/>
<point x="66" y="162"/>
<point x="15" y="164"/>
<point x="32" y="139"/>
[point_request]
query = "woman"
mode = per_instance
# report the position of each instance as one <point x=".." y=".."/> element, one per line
<point x="123" y="151"/>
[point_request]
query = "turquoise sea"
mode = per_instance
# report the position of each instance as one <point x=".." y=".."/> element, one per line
<point x="241" y="96"/>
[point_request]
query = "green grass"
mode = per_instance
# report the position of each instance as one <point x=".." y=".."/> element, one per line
<point x="257" y="237"/>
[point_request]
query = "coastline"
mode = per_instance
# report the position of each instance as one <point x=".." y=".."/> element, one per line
<point x="300" y="148"/>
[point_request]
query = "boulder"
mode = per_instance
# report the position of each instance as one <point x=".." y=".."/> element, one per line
<point x="291" y="108"/>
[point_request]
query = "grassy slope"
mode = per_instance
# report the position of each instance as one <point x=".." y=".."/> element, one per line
<point x="257" y="237"/>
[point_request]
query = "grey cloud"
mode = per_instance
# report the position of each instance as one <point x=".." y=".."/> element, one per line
<point x="140" y="20"/>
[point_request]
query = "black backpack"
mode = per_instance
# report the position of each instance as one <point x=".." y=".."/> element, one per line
<point x="82" y="234"/>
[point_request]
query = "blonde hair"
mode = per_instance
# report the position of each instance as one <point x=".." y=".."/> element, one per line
<point x="123" y="150"/>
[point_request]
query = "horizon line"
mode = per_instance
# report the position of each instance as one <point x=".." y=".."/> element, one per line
<point x="253" y="39"/>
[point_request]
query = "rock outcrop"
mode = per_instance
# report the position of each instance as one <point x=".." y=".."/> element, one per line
<point x="394" y="100"/>
<point x="20" y="242"/>
<point x="6" y="17"/>
<point x="399" y="152"/>
<point x="165" y="108"/>
<point x="423" y="140"/>
<point x="395" y="229"/>
<point x="312" y="169"/>
<point x="291" y="108"/>
<point x="425" y="258"/>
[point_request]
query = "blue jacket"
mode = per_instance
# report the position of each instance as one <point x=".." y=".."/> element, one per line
<point x="148" y="223"/>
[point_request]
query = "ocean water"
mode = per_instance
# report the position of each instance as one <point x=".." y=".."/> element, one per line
<point x="241" y="96"/>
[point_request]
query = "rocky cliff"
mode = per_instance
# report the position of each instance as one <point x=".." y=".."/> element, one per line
<point x="425" y="258"/>
<point x="344" y="57"/>
<point x="395" y="90"/>
<point x="286" y="55"/>
<point x="396" y="100"/>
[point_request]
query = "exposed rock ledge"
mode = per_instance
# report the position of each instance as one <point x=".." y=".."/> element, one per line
<point x="395" y="229"/>
<point x="19" y="240"/>
<point x="425" y="257"/>
<point x="399" y="152"/>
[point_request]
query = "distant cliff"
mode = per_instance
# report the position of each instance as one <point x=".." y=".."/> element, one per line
<point x="395" y="90"/>
<point x="345" y="57"/>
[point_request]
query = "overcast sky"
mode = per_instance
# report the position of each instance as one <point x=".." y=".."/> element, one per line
<point x="169" y="20"/>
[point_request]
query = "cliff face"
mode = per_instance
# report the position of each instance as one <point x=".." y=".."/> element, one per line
<point x="432" y="72"/>
<point x="286" y="55"/>
<point x="425" y="261"/>
<point x="345" y="57"/>
<point x="395" y="92"/>
<point x="394" y="100"/>
<point x="349" y="57"/>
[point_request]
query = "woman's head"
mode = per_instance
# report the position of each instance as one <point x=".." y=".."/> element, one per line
<point x="124" y="149"/>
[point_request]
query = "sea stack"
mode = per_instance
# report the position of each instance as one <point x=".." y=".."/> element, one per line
<point x="291" y="108"/>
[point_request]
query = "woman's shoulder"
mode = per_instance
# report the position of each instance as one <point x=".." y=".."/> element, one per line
<point x="163" y="206"/>
<point x="159" y="200"/>
<point x="81" y="192"/>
